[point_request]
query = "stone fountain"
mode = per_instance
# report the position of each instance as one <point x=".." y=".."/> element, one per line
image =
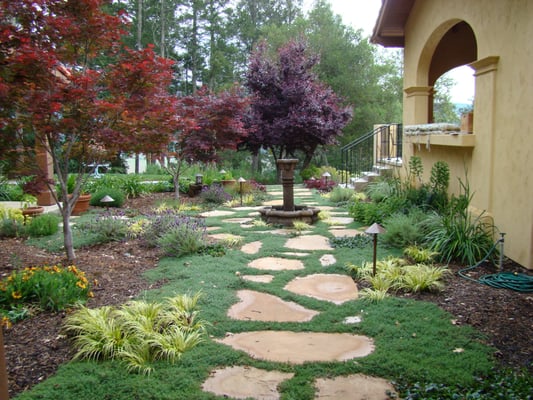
<point x="288" y="213"/>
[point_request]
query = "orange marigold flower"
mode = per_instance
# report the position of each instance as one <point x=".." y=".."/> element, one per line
<point x="81" y="285"/>
<point x="72" y="269"/>
<point x="16" y="295"/>
<point x="56" y="269"/>
<point x="90" y="294"/>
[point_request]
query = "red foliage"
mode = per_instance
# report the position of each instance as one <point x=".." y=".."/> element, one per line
<point x="210" y="122"/>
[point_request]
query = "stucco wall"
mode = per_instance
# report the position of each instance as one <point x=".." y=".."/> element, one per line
<point x="500" y="164"/>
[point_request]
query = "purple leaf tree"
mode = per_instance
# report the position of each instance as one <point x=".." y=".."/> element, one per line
<point x="291" y="111"/>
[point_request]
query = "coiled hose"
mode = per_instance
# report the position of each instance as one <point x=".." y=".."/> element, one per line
<point x="506" y="280"/>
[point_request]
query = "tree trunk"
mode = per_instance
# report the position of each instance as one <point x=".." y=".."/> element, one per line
<point x="67" y="231"/>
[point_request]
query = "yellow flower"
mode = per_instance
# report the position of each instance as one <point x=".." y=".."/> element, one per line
<point x="16" y="295"/>
<point x="81" y="285"/>
<point x="95" y="282"/>
<point x="6" y="322"/>
<point x="56" y="269"/>
<point x="90" y="294"/>
<point x="72" y="269"/>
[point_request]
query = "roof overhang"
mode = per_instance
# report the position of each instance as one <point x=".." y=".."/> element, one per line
<point x="389" y="30"/>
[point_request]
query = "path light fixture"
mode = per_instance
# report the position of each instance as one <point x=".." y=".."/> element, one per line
<point x="326" y="175"/>
<point x="107" y="200"/>
<point x="374" y="230"/>
<point x="199" y="179"/>
<point x="241" y="181"/>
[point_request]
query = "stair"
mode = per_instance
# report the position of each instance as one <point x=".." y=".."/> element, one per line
<point x="360" y="184"/>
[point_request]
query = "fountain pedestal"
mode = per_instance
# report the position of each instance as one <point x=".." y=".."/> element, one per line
<point x="288" y="213"/>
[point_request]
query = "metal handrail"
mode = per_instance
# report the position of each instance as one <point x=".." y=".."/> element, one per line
<point x="362" y="154"/>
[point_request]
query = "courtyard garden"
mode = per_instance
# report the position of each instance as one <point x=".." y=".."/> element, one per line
<point x="433" y="334"/>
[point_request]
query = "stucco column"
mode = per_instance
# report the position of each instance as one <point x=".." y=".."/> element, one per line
<point x="45" y="164"/>
<point x="484" y="128"/>
<point x="417" y="104"/>
<point x="287" y="179"/>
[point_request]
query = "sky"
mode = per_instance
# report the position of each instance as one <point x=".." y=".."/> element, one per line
<point x="362" y="14"/>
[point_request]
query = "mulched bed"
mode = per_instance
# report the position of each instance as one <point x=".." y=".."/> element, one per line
<point x="35" y="347"/>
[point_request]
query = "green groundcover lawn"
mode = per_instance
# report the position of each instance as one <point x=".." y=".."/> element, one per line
<point x="414" y="341"/>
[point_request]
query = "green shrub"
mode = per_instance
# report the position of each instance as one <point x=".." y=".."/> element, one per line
<point x="138" y="333"/>
<point x="108" y="227"/>
<point x="380" y="190"/>
<point x="460" y="236"/>
<point x="214" y="195"/>
<point x="116" y="194"/>
<point x="404" y="229"/>
<point x="419" y="254"/>
<point x="51" y="288"/>
<point x="185" y="238"/>
<point x="132" y="186"/>
<point x="43" y="225"/>
<point x="340" y="195"/>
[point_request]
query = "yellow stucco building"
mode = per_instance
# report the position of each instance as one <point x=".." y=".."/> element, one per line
<point x="494" y="38"/>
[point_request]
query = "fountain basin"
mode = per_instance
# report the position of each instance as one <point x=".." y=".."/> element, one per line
<point x="278" y="216"/>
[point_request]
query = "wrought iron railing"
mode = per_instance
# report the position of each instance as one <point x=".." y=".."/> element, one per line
<point x="382" y="146"/>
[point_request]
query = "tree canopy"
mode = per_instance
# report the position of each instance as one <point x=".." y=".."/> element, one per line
<point x="291" y="110"/>
<point x="58" y="95"/>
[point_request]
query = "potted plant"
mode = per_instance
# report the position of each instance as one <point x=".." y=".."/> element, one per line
<point x="82" y="203"/>
<point x="227" y="178"/>
<point x="29" y="207"/>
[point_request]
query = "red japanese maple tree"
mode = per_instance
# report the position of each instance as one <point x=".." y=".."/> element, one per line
<point x="208" y="123"/>
<point x="68" y="86"/>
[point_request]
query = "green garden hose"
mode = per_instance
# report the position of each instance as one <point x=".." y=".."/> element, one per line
<point x="506" y="280"/>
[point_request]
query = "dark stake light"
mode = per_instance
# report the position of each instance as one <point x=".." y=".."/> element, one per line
<point x="199" y="179"/>
<point x="241" y="182"/>
<point x="374" y="230"/>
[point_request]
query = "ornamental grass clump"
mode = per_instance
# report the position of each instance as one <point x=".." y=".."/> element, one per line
<point x="394" y="274"/>
<point x="52" y="288"/>
<point x="138" y="333"/>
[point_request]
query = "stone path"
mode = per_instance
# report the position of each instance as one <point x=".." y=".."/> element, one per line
<point x="245" y="382"/>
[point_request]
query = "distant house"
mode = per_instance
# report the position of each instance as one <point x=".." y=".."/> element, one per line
<point x="494" y="38"/>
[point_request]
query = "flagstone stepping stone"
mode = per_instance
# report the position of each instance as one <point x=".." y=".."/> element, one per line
<point x="243" y="382"/>
<point x="345" y="232"/>
<point x="335" y="288"/>
<point x="265" y="278"/>
<point x="309" y="242"/>
<point x="294" y="254"/>
<point x="276" y="264"/>
<point x="354" y="387"/>
<point x="212" y="228"/>
<point x="342" y="220"/>
<point x="246" y="208"/>
<point x="216" y="213"/>
<point x="327" y="208"/>
<point x="241" y="221"/>
<point x="252" y="247"/>
<point x="258" y="306"/>
<point x="300" y="347"/>
<point x="225" y="236"/>
<point x="278" y="202"/>
<point x="276" y="193"/>
<point x="327" y="259"/>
